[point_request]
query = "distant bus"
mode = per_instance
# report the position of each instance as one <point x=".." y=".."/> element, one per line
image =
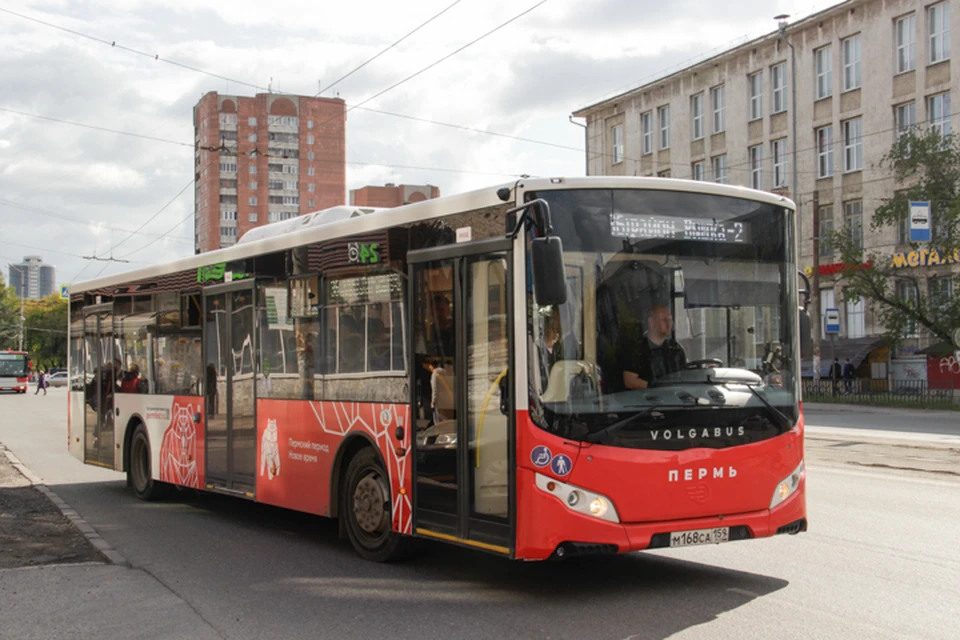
<point x="14" y="370"/>
<point x="541" y="369"/>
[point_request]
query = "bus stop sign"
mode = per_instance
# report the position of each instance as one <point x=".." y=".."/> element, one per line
<point x="831" y="321"/>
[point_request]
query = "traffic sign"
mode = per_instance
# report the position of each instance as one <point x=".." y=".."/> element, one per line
<point x="919" y="222"/>
<point x="64" y="292"/>
<point x="831" y="322"/>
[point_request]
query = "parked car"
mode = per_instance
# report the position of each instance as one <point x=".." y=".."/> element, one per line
<point x="58" y="379"/>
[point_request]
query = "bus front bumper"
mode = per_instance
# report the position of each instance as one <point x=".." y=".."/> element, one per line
<point x="548" y="529"/>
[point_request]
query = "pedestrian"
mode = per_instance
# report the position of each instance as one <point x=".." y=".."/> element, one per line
<point x="848" y="371"/>
<point x="41" y="383"/>
<point x="836" y="373"/>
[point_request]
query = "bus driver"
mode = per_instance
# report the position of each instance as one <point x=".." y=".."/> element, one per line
<point x="655" y="354"/>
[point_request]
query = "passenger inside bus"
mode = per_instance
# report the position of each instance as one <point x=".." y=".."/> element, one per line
<point x="130" y="382"/>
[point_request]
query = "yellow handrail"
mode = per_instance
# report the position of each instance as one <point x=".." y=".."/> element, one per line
<point x="483" y="411"/>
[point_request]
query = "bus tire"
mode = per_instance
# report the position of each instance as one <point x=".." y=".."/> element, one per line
<point x="138" y="471"/>
<point x="366" y="510"/>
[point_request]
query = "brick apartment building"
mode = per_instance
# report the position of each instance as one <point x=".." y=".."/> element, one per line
<point x="279" y="156"/>
<point x="865" y="70"/>
<point x="392" y="195"/>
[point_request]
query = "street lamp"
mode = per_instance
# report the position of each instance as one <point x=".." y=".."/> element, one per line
<point x="815" y="279"/>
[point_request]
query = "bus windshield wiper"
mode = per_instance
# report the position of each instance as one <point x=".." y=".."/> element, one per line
<point x="759" y="396"/>
<point x="598" y="436"/>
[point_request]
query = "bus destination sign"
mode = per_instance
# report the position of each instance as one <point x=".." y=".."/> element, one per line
<point x="647" y="227"/>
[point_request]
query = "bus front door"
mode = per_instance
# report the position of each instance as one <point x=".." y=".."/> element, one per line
<point x="461" y="395"/>
<point x="101" y="367"/>
<point x="229" y="356"/>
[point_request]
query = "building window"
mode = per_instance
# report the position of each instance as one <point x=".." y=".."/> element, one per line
<point x="616" y="134"/>
<point x="252" y="169"/>
<point x="856" y="325"/>
<point x="228" y="166"/>
<point x="310" y="187"/>
<point x="940" y="293"/>
<point x="824" y="62"/>
<point x="646" y="132"/>
<point x="290" y="169"/>
<point x="938" y="113"/>
<point x="905" y="35"/>
<point x="309" y="171"/>
<point x="251" y="121"/>
<point x="756" y="167"/>
<point x="309" y="124"/>
<point x="853" y="219"/>
<point x="228" y="215"/>
<point x="289" y="200"/>
<point x="719" y="166"/>
<point x="907" y="292"/>
<point x="309" y="155"/>
<point x="826" y="229"/>
<point x="309" y="139"/>
<point x="228" y="118"/>
<point x="905" y="118"/>
<point x="664" y="173"/>
<point x="290" y="185"/>
<point x="309" y="203"/>
<point x="779" y="163"/>
<point x="253" y="201"/>
<point x="778" y="77"/>
<point x="851" y="63"/>
<point x="938" y="28"/>
<point x="275" y="184"/>
<point x="852" y="145"/>
<point x="696" y="110"/>
<point x="252" y="185"/>
<point x="696" y="170"/>
<point x="663" y="116"/>
<point x="755" y="84"/>
<point x="252" y="137"/>
<point x="252" y="217"/>
<point x="718" y="98"/>
<point x="825" y="152"/>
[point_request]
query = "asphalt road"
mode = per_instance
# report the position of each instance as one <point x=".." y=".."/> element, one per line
<point x="880" y="561"/>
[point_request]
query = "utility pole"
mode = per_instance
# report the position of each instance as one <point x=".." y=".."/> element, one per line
<point x="815" y="285"/>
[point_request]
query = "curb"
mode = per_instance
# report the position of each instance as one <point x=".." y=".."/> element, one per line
<point x="114" y="556"/>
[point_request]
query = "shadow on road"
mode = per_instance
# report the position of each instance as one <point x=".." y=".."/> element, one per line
<point x="298" y="562"/>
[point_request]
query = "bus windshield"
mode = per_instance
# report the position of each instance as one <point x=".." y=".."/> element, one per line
<point x="679" y="328"/>
<point x="13" y="365"/>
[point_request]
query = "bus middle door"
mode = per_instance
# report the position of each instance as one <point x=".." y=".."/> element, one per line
<point x="461" y="407"/>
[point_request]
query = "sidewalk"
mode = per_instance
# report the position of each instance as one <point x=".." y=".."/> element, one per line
<point x="59" y="579"/>
<point x="831" y="407"/>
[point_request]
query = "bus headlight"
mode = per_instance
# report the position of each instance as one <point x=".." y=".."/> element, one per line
<point x="579" y="500"/>
<point x="786" y="487"/>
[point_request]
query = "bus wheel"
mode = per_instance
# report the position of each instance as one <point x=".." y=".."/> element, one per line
<point x="365" y="506"/>
<point x="138" y="471"/>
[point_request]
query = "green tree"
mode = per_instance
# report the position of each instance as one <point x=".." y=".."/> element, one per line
<point x="926" y="167"/>
<point x="9" y="316"/>
<point x="46" y="331"/>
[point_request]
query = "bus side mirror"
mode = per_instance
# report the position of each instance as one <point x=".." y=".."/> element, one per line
<point x="806" y="337"/>
<point x="549" y="282"/>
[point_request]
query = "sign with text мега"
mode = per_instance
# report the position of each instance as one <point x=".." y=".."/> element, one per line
<point x="919" y="222"/>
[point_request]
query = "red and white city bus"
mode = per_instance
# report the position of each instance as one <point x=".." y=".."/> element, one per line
<point x="466" y="369"/>
<point x="14" y="370"/>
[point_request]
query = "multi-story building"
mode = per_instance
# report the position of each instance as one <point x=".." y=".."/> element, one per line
<point x="808" y="109"/>
<point x="392" y="195"/>
<point x="263" y="159"/>
<point x="32" y="279"/>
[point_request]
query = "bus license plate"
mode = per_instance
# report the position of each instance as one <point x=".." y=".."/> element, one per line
<point x="700" y="536"/>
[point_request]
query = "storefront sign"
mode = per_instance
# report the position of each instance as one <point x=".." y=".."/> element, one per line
<point x="835" y="268"/>
<point x="923" y="258"/>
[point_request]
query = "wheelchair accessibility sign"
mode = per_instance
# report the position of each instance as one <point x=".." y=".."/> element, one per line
<point x="540" y="456"/>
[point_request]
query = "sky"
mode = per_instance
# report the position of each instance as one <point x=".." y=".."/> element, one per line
<point x="69" y="192"/>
